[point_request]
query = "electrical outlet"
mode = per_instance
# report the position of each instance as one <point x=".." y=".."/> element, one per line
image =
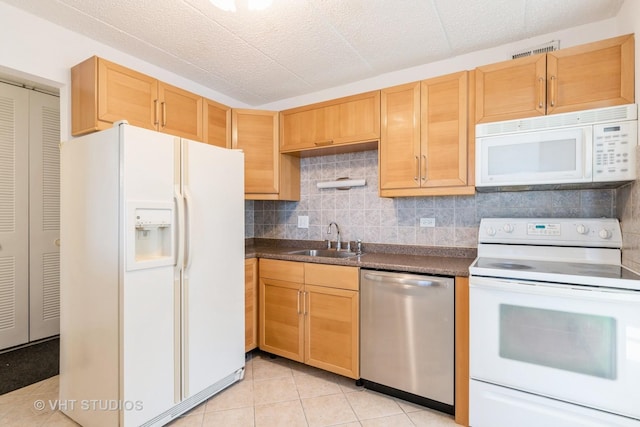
<point x="427" y="222"/>
<point x="303" y="221"/>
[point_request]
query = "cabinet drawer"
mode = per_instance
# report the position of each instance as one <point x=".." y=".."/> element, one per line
<point x="332" y="276"/>
<point x="288" y="271"/>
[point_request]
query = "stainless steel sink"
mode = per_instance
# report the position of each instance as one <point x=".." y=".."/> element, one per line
<point x="327" y="253"/>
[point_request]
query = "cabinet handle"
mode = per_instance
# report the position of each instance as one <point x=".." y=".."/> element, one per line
<point x="424" y="175"/>
<point x="323" y="143"/>
<point x="554" y="83"/>
<point x="541" y="94"/>
<point x="298" y="309"/>
<point x="155" y="112"/>
<point x="57" y="242"/>
<point x="304" y="302"/>
<point x="416" y="177"/>
<point x="164" y="113"/>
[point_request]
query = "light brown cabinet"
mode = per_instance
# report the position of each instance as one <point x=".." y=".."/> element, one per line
<point x="426" y="147"/>
<point x="217" y="124"/>
<point x="334" y="124"/>
<point x="250" y="304"/>
<point x="103" y="92"/>
<point x="268" y="175"/>
<point x="593" y="75"/>
<point x="462" y="351"/>
<point x="179" y="112"/>
<point x="310" y="313"/>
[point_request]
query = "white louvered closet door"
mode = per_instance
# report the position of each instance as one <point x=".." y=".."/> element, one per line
<point x="14" y="216"/>
<point x="44" y="216"/>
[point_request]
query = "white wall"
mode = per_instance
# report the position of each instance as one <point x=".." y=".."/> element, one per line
<point x="628" y="21"/>
<point x="36" y="50"/>
<point x="40" y="51"/>
<point x="628" y="197"/>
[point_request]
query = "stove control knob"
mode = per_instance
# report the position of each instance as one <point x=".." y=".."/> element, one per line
<point x="582" y="229"/>
<point x="491" y="231"/>
<point x="508" y="228"/>
<point x="604" y="234"/>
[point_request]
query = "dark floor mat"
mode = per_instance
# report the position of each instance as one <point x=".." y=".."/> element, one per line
<point x="24" y="366"/>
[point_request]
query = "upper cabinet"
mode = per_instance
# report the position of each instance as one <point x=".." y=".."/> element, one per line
<point x="332" y="124"/>
<point x="103" y="92"/>
<point x="179" y="112"/>
<point x="425" y="145"/>
<point x="217" y="124"/>
<point x="593" y="75"/>
<point x="268" y="175"/>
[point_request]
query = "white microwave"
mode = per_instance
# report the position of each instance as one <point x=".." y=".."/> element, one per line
<point x="590" y="148"/>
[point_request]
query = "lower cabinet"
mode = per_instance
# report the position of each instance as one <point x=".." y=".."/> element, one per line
<point x="462" y="351"/>
<point x="310" y="313"/>
<point x="250" y="304"/>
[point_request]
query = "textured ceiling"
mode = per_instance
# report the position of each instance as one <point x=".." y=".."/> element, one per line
<point x="302" y="46"/>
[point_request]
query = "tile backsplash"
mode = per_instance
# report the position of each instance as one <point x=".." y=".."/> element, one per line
<point x="362" y="214"/>
<point x="628" y="210"/>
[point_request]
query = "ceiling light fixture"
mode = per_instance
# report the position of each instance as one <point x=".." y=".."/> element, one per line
<point x="230" y="5"/>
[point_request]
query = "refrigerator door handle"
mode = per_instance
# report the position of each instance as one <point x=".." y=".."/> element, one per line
<point x="180" y="232"/>
<point x="187" y="230"/>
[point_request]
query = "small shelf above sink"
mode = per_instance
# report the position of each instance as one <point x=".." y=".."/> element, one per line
<point x="326" y="253"/>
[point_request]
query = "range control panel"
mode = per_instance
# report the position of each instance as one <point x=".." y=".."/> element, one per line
<point x="614" y="155"/>
<point x="581" y="232"/>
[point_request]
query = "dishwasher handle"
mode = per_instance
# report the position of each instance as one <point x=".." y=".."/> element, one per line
<point x="403" y="280"/>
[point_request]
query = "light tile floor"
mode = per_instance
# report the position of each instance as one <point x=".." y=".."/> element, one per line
<point x="274" y="392"/>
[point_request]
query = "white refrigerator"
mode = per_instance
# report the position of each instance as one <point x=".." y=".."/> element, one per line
<point x="152" y="276"/>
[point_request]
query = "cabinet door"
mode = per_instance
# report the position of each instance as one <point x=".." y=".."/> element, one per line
<point x="359" y="119"/>
<point x="281" y="320"/>
<point x="341" y="121"/>
<point x="599" y="74"/>
<point x="14" y="216"/>
<point x="180" y="112"/>
<point x="400" y="137"/>
<point x="304" y="129"/>
<point x="250" y="304"/>
<point x="126" y="94"/>
<point x="256" y="133"/>
<point x="44" y="216"/>
<point x="332" y="329"/>
<point x="217" y="124"/>
<point x="444" y="131"/>
<point x="511" y="89"/>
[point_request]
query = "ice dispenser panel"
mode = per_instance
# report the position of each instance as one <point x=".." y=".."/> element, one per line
<point x="151" y="236"/>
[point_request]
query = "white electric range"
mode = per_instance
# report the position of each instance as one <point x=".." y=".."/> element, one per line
<point x="554" y="325"/>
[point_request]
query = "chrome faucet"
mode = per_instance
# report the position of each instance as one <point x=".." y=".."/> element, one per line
<point x="338" y="243"/>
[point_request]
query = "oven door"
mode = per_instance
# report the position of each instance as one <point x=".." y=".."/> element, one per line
<point x="577" y="344"/>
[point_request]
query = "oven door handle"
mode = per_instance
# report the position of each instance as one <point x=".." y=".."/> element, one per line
<point x="554" y="289"/>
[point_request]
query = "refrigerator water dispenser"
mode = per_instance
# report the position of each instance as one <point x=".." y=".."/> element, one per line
<point x="150" y="235"/>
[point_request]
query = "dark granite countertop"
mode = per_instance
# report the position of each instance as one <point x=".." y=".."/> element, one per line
<point x="437" y="260"/>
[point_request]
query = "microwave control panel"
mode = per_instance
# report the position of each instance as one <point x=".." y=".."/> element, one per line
<point x="614" y="151"/>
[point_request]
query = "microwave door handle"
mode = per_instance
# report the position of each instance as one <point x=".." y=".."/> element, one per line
<point x="587" y="135"/>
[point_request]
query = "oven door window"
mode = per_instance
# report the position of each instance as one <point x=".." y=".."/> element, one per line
<point x="576" y="342"/>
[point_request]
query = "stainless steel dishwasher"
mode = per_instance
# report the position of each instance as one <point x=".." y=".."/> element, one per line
<point x="407" y="336"/>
